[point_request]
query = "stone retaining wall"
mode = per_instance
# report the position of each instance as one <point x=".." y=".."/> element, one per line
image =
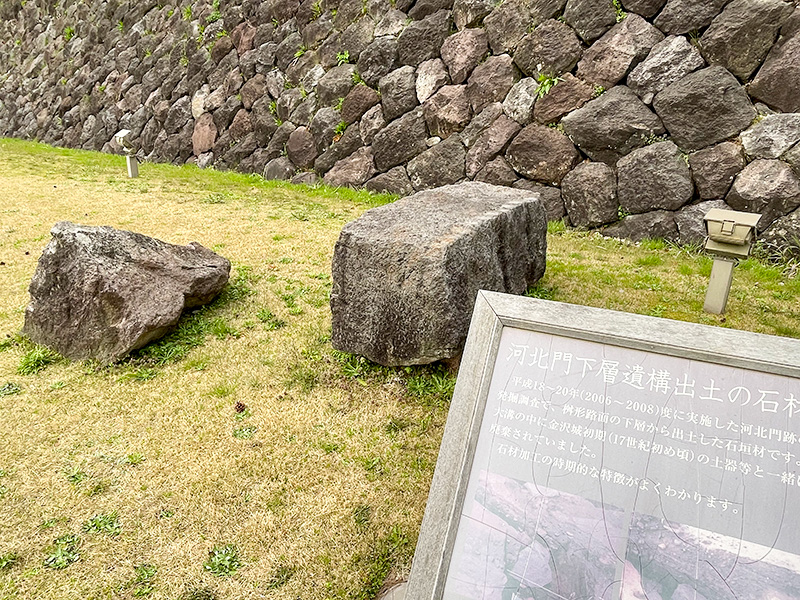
<point x="637" y="115"/>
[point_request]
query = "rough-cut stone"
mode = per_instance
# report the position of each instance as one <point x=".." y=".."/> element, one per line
<point x="565" y="96"/>
<point x="490" y="81"/>
<point x="336" y="84"/>
<point x="704" y="108"/>
<point x="241" y="126"/>
<point x="590" y="195"/>
<point x="489" y="143"/>
<point x="514" y="18"/>
<point x="613" y="56"/>
<point x="551" y="49"/>
<point x="447" y="110"/>
<point x="406" y="275"/>
<point x="423" y="8"/>
<point x="394" y="181"/>
<point x="659" y="224"/>
<point x="352" y="171"/>
<point x="442" y="164"/>
<point x="462" y="52"/>
<point x="252" y="90"/>
<point x="740" y="38"/>
<point x="360" y="99"/>
<point x="279" y="168"/>
<point x="342" y="148"/>
<point x="550" y="197"/>
<point x="507" y="24"/>
<point x="689" y="219"/>
<point x="542" y="153"/>
<point x="205" y="134"/>
<point x="300" y="148"/>
<point x="778" y="81"/>
<point x="470" y="13"/>
<point x="768" y="187"/>
<point x="431" y="75"/>
<point x="644" y="8"/>
<point x="520" y="100"/>
<point x="398" y="92"/>
<point x="423" y="39"/>
<point x="480" y="123"/>
<point x="684" y="16"/>
<point x="400" y="140"/>
<point x="715" y="168"/>
<point x="99" y="293"/>
<point x="497" y="172"/>
<point x="590" y="18"/>
<point x="792" y="157"/>
<point x="654" y="177"/>
<point x="772" y="136"/>
<point x="391" y="23"/>
<point x="612" y="125"/>
<point x="668" y="61"/>
<point x="784" y="234"/>
<point x="323" y="127"/>
<point x="378" y="59"/>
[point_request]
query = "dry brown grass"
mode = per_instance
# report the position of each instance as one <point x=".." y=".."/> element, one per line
<point x="327" y="494"/>
<point x="324" y="445"/>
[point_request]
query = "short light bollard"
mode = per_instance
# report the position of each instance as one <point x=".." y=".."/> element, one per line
<point x="730" y="238"/>
<point x="123" y="138"/>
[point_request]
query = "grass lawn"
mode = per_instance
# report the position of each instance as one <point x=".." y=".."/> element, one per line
<point x="241" y="457"/>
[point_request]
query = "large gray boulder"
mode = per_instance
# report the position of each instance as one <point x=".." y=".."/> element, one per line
<point x="768" y="187"/>
<point x="778" y="81"/>
<point x="658" y="224"/>
<point x="423" y="39"/>
<point x="400" y="140"/>
<point x="715" y="168"/>
<point x="442" y="164"/>
<point x="740" y="38"/>
<point x="462" y="52"/>
<point x="668" y="61"/>
<point x="704" y="108"/>
<point x="590" y="18"/>
<point x="654" y="177"/>
<point x="99" y="293"/>
<point x="690" y="222"/>
<point x="405" y="275"/>
<point x="542" y="153"/>
<point x="772" y="136"/>
<point x="684" y="16"/>
<point x="552" y="48"/>
<point x="613" y="56"/>
<point x="590" y="195"/>
<point x="612" y="125"/>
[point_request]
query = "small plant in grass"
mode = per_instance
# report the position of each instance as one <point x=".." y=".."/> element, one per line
<point x="63" y="552"/>
<point x="342" y="58"/>
<point x="8" y="560"/>
<point x="221" y="329"/>
<point x="546" y="83"/>
<point x="196" y="592"/>
<point x="340" y="128"/>
<point x="69" y="33"/>
<point x="361" y="516"/>
<point x="214" y="198"/>
<point x="356" y="77"/>
<point x="329" y="447"/>
<point x="9" y="389"/>
<point x="135" y="458"/>
<point x="140" y="374"/>
<point x="223" y="390"/>
<point x="300" y="51"/>
<point x="393" y="548"/>
<point x="241" y="411"/>
<point x="166" y="513"/>
<point x="338" y="106"/>
<point x="143" y="580"/>
<point x="187" y="13"/>
<point x="105" y="524"/>
<point x="223" y="561"/>
<point x="76" y="476"/>
<point x="121" y="27"/>
<point x="99" y="488"/>
<point x="245" y="432"/>
<point x="10" y="342"/>
<point x="316" y="10"/>
<point x="268" y="318"/>
<point x="283" y="573"/>
<point x="36" y="359"/>
<point x="540" y="291"/>
<point x="433" y="387"/>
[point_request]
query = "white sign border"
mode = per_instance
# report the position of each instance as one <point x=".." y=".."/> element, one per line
<point x="495" y="311"/>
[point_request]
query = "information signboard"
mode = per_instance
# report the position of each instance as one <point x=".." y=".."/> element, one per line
<point x="595" y="455"/>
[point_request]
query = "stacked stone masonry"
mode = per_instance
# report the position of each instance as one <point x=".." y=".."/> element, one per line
<point x="632" y="115"/>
